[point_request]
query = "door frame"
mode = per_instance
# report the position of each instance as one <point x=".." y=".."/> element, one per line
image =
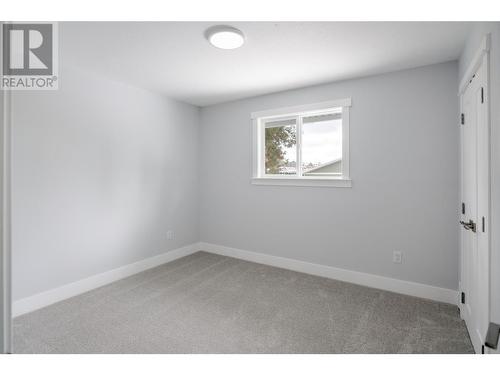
<point x="5" y="222"/>
<point x="484" y="190"/>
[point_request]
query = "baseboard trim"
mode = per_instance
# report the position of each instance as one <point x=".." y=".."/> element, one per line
<point x="49" y="297"/>
<point x="360" y="278"/>
<point x="37" y="301"/>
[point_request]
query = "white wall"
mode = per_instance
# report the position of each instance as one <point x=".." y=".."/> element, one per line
<point x="101" y="171"/>
<point x="404" y="166"/>
<point x="472" y="45"/>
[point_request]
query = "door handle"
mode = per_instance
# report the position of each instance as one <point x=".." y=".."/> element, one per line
<point x="469" y="226"/>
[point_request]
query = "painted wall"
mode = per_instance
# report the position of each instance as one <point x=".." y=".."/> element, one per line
<point x="404" y="164"/>
<point x="472" y="45"/>
<point x="101" y="171"/>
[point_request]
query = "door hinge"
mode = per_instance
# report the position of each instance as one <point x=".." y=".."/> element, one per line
<point x="462" y="119"/>
<point x="483" y="224"/>
<point x="482" y="95"/>
<point x="462" y="298"/>
<point x="463" y="208"/>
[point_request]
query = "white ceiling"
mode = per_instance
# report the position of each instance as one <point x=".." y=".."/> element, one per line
<point x="174" y="58"/>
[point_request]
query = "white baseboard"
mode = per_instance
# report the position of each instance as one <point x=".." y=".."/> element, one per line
<point x="366" y="279"/>
<point x="37" y="301"/>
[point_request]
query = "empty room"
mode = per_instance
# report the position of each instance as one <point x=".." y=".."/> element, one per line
<point x="250" y="187"/>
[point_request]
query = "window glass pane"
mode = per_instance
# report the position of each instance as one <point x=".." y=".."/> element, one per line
<point x="322" y="145"/>
<point x="281" y="147"/>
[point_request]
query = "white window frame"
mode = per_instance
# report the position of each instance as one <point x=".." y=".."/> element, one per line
<point x="258" y="128"/>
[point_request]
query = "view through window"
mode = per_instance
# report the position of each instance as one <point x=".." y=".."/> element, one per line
<point x="304" y="145"/>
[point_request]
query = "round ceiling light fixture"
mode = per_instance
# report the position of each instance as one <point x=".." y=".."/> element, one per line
<point x="225" y="37"/>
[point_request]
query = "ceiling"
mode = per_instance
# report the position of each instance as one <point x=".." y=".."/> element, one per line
<point x="174" y="58"/>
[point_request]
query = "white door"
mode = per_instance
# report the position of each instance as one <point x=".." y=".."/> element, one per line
<point x="475" y="208"/>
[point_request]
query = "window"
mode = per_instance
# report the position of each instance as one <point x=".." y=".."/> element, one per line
<point x="302" y="146"/>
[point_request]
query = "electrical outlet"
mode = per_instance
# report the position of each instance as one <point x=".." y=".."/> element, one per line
<point x="397" y="257"/>
<point x="170" y="235"/>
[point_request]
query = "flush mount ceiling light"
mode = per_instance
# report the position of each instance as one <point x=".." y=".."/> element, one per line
<point x="225" y="37"/>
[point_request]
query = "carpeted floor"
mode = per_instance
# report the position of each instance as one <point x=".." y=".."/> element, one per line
<point x="206" y="303"/>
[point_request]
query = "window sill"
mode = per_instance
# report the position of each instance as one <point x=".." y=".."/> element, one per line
<point x="316" y="181"/>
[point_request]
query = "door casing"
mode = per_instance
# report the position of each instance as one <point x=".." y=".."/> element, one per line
<point x="5" y="214"/>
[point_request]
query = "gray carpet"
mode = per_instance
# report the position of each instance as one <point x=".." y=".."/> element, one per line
<point x="206" y="303"/>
